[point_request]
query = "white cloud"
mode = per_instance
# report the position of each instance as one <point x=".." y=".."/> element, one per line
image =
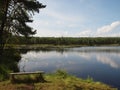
<point x="105" y="31"/>
<point x="72" y="25"/>
<point x="44" y="32"/>
<point x="109" y="35"/>
<point x="85" y="33"/>
<point x="108" y="28"/>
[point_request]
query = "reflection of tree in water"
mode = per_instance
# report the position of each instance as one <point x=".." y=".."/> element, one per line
<point x="60" y="50"/>
<point x="24" y="65"/>
<point x="8" y="63"/>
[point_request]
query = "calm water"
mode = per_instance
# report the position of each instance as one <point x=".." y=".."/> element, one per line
<point x="100" y="63"/>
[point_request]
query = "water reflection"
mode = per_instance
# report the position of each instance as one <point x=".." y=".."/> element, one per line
<point x="101" y="63"/>
<point x="70" y="57"/>
<point x="105" y="58"/>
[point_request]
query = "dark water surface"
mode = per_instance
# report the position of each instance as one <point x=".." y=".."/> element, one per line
<point x="100" y="63"/>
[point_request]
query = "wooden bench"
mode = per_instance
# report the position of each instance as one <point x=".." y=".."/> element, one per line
<point x="39" y="73"/>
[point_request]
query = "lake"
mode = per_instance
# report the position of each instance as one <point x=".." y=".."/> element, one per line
<point x="100" y="63"/>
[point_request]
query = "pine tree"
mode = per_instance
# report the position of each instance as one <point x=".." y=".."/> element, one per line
<point x="14" y="16"/>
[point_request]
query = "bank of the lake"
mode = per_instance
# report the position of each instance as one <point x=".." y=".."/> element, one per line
<point x="58" y="81"/>
<point x="49" y="46"/>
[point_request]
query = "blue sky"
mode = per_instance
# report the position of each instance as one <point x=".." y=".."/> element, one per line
<point x="78" y="18"/>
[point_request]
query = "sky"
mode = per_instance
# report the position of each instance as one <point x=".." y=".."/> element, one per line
<point x="78" y="18"/>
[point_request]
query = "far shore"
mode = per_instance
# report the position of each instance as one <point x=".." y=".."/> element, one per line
<point x="48" y="46"/>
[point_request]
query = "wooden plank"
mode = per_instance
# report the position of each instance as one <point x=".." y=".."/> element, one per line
<point x="40" y="76"/>
<point x="25" y="73"/>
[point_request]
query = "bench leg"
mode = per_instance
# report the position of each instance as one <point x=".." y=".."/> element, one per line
<point x="41" y="78"/>
<point x="12" y="78"/>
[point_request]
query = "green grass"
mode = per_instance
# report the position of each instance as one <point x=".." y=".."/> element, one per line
<point x="40" y="46"/>
<point x="50" y="46"/>
<point x="59" y="80"/>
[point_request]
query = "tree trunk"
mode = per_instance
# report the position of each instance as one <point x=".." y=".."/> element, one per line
<point x="3" y="25"/>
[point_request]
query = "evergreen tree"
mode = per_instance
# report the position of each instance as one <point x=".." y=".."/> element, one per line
<point x="14" y="16"/>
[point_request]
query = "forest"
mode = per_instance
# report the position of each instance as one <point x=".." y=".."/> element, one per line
<point x="89" y="41"/>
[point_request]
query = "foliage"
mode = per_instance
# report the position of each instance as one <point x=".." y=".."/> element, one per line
<point x="8" y="63"/>
<point x="67" y="41"/>
<point x="61" y="73"/>
<point x="19" y="12"/>
<point x="14" y="16"/>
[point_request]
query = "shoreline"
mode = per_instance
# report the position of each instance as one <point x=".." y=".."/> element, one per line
<point x="52" y="46"/>
<point x="60" y="80"/>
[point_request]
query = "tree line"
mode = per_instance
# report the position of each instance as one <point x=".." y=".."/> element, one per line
<point x="65" y="40"/>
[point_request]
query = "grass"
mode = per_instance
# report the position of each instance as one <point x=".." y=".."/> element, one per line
<point x="59" y="80"/>
<point x="49" y="46"/>
<point x="40" y="46"/>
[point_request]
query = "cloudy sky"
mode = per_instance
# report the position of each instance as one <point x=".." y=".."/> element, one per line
<point x="78" y="18"/>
